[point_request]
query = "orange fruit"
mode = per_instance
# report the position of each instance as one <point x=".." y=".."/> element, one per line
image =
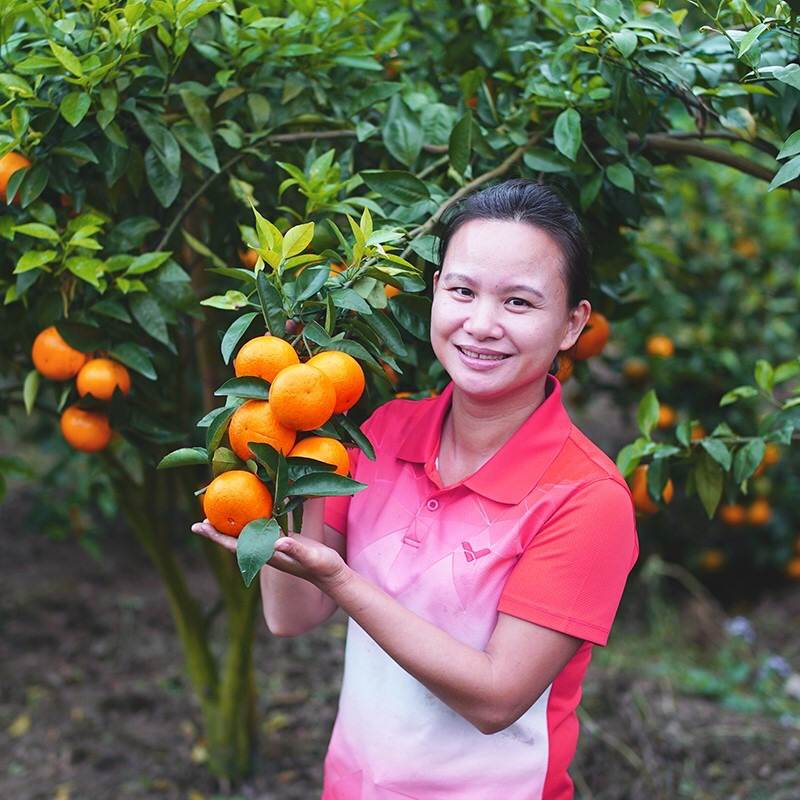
<point x="235" y="498"/>
<point x="661" y="346"/>
<point x="402" y="395"/>
<point x="248" y="257"/>
<point x="54" y="358"/>
<point x="793" y="569"/>
<point x="392" y="68"/>
<point x="9" y="164"/>
<point x="390" y="374"/>
<point x="746" y="247"/>
<point x="759" y="512"/>
<point x="733" y="514"/>
<point x="322" y="448"/>
<point x="593" y="337"/>
<point x="772" y="454"/>
<point x="390" y="291"/>
<point x="101" y="376"/>
<point x="345" y="374"/>
<point x="336" y="268"/>
<point x="264" y="357"/>
<point x="302" y="397"/>
<point x="712" y="559"/>
<point x="472" y="101"/>
<point x="698" y="432"/>
<point x="254" y="421"/>
<point x="667" y="416"/>
<point x="89" y="431"/>
<point x="635" y="369"/>
<point x="565" y="367"/>
<point x="641" y="499"/>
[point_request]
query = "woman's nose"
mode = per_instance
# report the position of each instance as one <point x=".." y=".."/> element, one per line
<point x="481" y="322"/>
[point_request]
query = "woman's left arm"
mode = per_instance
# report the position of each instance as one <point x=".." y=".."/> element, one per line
<point x="490" y="688"/>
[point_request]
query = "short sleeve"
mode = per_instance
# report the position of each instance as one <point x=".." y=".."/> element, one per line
<point x="571" y="576"/>
<point x="336" y="508"/>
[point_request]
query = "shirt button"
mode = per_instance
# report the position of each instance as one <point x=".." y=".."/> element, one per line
<point x="432" y="505"/>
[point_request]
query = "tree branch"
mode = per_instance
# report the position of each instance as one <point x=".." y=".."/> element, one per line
<point x="687" y="147"/>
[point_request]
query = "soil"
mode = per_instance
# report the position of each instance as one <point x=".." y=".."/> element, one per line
<point x="93" y="704"/>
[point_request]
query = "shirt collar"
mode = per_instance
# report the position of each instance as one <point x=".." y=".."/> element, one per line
<point x="515" y="469"/>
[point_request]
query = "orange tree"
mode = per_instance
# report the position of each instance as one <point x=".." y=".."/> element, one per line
<point x="136" y="137"/>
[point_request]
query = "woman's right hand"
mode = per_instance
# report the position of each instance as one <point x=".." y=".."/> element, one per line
<point x="205" y="528"/>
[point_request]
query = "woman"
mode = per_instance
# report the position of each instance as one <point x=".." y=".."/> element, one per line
<point x="488" y="554"/>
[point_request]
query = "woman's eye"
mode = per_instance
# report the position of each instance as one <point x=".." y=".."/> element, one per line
<point x="518" y="300"/>
<point x="459" y="289"/>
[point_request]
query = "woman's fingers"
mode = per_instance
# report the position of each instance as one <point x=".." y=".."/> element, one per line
<point x="206" y="529"/>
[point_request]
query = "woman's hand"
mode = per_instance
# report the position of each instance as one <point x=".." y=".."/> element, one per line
<point x="295" y="554"/>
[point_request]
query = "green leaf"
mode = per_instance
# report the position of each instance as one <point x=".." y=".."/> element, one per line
<point x="298" y="466"/>
<point x="271" y="305"/>
<point x="30" y="389"/>
<point x="37" y="231"/>
<point x="234" y="333"/>
<point x="647" y="414"/>
<point x="708" y="479"/>
<point x="249" y="387"/>
<point x="791" y="147"/>
<point x="267" y="456"/>
<point x="739" y="393"/>
<point x="255" y="546"/>
<point x="325" y="485"/>
<point x="147" y="312"/>
<point x="184" y="457"/>
<point x="764" y="375"/>
<point x="718" y="451"/>
<point x="230" y="301"/>
<point x="388" y="333"/>
<point x="413" y="312"/>
<point x="747" y="459"/>
<point x="67" y="59"/>
<point x="197" y="108"/>
<point x="310" y="282"/>
<point x="34" y="259"/>
<point x="541" y="160"/>
<point x="567" y="133"/>
<point x="74" y="107"/>
<point x="87" y="269"/>
<point x="460" y="144"/>
<point x="356" y="434"/>
<point x="136" y="357"/>
<point x="346" y="298"/>
<point x="147" y="262"/>
<point x="218" y="427"/>
<point x="296" y="239"/>
<point x="375" y="93"/>
<point x="197" y="143"/>
<point x="750" y="38"/>
<point x="788" y="172"/>
<point x="224" y="460"/>
<point x="281" y="480"/>
<point x="33" y="183"/>
<point x="625" y="41"/>
<point x="82" y="337"/>
<point x="399" y="187"/>
<point x="621" y="176"/>
<point x="402" y="132"/>
<point x="165" y="186"/>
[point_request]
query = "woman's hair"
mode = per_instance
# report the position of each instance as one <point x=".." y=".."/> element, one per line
<point x="521" y="200"/>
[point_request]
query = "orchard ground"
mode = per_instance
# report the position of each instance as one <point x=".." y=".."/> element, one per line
<point x="94" y="703"/>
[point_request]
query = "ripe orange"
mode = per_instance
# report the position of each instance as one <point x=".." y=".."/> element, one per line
<point x="593" y="338"/>
<point x="793" y="569"/>
<point x="235" y="498"/>
<point x="337" y="267"/>
<point x="403" y="395"/>
<point x="54" y="358"/>
<point x="322" y="448"/>
<point x="712" y="559"/>
<point x="698" y="432"/>
<point x="667" y="416"/>
<point x="733" y="514"/>
<point x="746" y="247"/>
<point x="565" y="367"/>
<point x="661" y="346"/>
<point x="641" y="499"/>
<point x="264" y="357"/>
<point x="101" y="376"/>
<point x="248" y="257"/>
<point x="635" y="369"/>
<point x="759" y="512"/>
<point x="472" y="101"/>
<point x="302" y="397"/>
<point x="254" y="421"/>
<point x="89" y="431"/>
<point x="390" y="291"/>
<point x="9" y="164"/>
<point x="772" y="454"/>
<point x="345" y="374"/>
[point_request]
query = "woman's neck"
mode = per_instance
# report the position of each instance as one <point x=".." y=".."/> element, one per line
<point x="474" y="430"/>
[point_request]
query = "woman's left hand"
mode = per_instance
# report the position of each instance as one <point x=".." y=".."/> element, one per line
<point x="309" y="559"/>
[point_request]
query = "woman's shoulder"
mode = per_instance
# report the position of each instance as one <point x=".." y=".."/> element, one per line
<point x="582" y="460"/>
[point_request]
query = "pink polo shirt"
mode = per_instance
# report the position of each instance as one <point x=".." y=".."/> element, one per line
<point x="544" y="531"/>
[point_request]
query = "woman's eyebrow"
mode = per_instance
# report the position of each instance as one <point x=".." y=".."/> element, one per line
<point x="512" y="287"/>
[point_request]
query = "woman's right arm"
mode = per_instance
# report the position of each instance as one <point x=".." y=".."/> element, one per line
<point x="293" y="605"/>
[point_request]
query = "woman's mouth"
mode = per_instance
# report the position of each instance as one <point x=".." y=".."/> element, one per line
<point x="483" y="360"/>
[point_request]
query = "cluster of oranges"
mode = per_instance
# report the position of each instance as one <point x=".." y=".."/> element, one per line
<point x="302" y="397"/>
<point x="759" y="512"/>
<point x="53" y="358"/>
<point x="642" y="501"/>
<point x="636" y="369"/>
<point x="590" y="343"/>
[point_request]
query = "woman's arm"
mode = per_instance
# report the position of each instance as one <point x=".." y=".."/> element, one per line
<point x="490" y="688"/>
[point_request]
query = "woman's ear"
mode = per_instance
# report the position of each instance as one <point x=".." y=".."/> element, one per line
<point x="576" y="321"/>
<point x="435" y="279"/>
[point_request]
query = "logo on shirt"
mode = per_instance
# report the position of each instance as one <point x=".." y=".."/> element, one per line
<point x="472" y="555"/>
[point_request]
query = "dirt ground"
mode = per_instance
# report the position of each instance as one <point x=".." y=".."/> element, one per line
<point x="93" y="704"/>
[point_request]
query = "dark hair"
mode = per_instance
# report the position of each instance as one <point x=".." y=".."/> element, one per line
<point x="521" y="200"/>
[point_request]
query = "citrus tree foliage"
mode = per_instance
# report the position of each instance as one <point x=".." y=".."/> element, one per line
<point x="154" y="128"/>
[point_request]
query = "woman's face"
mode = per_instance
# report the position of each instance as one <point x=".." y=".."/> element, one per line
<point x="500" y="308"/>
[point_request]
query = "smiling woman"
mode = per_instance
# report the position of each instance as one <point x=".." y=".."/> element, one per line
<point x="489" y="552"/>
